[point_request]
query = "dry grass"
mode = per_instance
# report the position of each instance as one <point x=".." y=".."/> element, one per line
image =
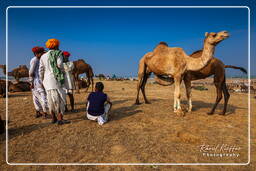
<point x="136" y="134"/>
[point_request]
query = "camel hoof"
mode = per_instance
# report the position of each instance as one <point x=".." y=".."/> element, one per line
<point x="180" y="113"/>
<point x="147" y="102"/>
<point x="137" y="103"/>
<point x="210" y="113"/>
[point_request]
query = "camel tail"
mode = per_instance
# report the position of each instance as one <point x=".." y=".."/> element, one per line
<point x="235" y="67"/>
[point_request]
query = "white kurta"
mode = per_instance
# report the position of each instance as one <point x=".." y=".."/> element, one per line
<point x="56" y="95"/>
<point x="46" y="73"/>
<point x="69" y="79"/>
<point x="39" y="94"/>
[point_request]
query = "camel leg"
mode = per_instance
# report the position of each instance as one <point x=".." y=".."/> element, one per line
<point x="92" y="83"/>
<point x="141" y="73"/>
<point x="88" y="84"/>
<point x="144" y="82"/>
<point x="140" y="81"/>
<point x="218" y="98"/>
<point x="188" y="93"/>
<point x="89" y="78"/>
<point x="226" y="97"/>
<point x="177" y="107"/>
<point x="76" y="83"/>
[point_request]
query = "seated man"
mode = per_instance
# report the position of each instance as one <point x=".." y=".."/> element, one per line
<point x="98" y="105"/>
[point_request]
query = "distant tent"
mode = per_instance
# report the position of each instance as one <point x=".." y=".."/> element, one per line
<point x="114" y="76"/>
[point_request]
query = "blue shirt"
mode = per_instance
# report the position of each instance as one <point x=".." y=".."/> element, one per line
<point x="96" y="103"/>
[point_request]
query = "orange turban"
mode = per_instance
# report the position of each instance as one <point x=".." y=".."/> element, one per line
<point x="52" y="43"/>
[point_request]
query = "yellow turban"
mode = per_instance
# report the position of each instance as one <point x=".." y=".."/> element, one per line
<point x="52" y="43"/>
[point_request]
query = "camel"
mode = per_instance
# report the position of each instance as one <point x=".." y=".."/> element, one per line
<point x="215" y="67"/>
<point x="102" y="77"/>
<point x="174" y="63"/>
<point x="3" y="87"/>
<point x="19" y="87"/>
<point x="81" y="67"/>
<point x="17" y="73"/>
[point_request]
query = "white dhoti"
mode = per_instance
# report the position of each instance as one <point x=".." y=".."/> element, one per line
<point x="56" y="100"/>
<point x="39" y="99"/>
<point x="101" y="118"/>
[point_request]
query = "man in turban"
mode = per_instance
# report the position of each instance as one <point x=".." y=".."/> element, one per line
<point x="51" y="73"/>
<point x="69" y="80"/>
<point x="39" y="95"/>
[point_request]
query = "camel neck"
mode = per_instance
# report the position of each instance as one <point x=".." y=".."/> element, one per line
<point x="208" y="52"/>
<point x="195" y="64"/>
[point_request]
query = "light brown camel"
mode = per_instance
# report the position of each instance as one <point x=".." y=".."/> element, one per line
<point x="174" y="62"/>
<point x="81" y="67"/>
<point x="17" y="73"/>
<point x="215" y="67"/>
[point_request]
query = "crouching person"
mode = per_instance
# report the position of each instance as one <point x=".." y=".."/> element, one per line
<point x="98" y="105"/>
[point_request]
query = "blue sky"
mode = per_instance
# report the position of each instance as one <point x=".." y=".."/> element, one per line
<point x="113" y="40"/>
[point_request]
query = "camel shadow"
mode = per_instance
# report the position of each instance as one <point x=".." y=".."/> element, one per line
<point x="14" y="132"/>
<point x="201" y="104"/>
<point x="123" y="112"/>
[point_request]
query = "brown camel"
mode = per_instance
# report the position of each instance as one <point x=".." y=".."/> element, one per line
<point x="216" y="68"/>
<point x="174" y="63"/>
<point x="17" y="73"/>
<point x="3" y="88"/>
<point x="19" y="87"/>
<point x="81" y="67"/>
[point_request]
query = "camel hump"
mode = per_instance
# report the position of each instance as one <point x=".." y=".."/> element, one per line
<point x="162" y="47"/>
<point x="163" y="43"/>
<point x="81" y="60"/>
<point x="196" y="54"/>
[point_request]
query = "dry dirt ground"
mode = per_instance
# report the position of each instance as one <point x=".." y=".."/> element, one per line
<point x="146" y="133"/>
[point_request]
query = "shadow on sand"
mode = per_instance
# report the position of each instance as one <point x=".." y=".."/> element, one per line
<point x="197" y="105"/>
<point x="14" y="132"/>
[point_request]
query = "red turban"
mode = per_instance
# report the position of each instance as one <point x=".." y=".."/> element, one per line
<point x="66" y="53"/>
<point x="37" y="49"/>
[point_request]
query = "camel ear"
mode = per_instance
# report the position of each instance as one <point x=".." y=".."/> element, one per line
<point x="206" y="34"/>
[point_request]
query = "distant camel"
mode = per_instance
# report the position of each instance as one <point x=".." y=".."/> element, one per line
<point x="217" y="68"/>
<point x="19" y="87"/>
<point x="3" y="88"/>
<point x="81" y="67"/>
<point x="101" y="77"/>
<point x="173" y="63"/>
<point x="17" y="73"/>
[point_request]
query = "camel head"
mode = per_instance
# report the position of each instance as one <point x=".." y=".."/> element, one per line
<point x="215" y="38"/>
<point x="3" y="66"/>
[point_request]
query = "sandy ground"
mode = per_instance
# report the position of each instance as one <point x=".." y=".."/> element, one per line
<point x="146" y="133"/>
